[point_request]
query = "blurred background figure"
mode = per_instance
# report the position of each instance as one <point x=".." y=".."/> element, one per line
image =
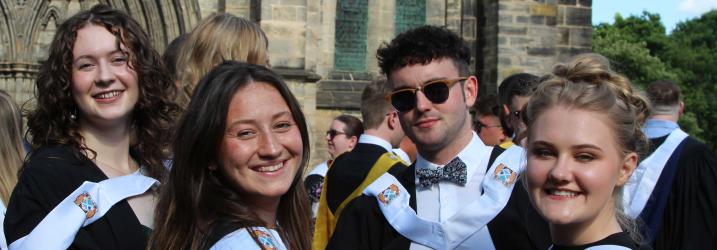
<point x="217" y="38"/>
<point x="407" y="150"/>
<point x="342" y="136"/>
<point x="487" y="122"/>
<point x="12" y="152"/>
<point x="514" y="93"/>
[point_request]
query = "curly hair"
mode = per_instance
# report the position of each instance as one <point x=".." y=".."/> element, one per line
<point x="197" y="207"/>
<point x="422" y="45"/>
<point x="50" y="123"/>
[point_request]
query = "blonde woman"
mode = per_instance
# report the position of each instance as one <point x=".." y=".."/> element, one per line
<point x="584" y="139"/>
<point x="11" y="152"/>
<point x="217" y="38"/>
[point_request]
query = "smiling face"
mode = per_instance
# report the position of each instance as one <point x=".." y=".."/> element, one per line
<point x="104" y="87"/>
<point x="261" y="149"/>
<point x="437" y="129"/>
<point x="574" y="167"/>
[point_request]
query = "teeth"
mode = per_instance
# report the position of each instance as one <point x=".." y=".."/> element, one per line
<point x="108" y="95"/>
<point x="270" y="168"/>
<point x="563" y="193"/>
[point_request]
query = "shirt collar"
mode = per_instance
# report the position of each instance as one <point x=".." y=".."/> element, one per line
<point x="472" y="155"/>
<point x="655" y="128"/>
<point x="370" y="139"/>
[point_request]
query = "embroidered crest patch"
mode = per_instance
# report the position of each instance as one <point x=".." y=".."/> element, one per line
<point x="389" y="194"/>
<point x="505" y="175"/>
<point x="264" y="239"/>
<point x="85" y="202"/>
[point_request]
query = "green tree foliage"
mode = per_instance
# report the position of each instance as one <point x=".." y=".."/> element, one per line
<point x="639" y="48"/>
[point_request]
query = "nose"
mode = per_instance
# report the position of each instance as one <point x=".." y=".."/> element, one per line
<point x="422" y="102"/>
<point x="269" y="146"/>
<point x="105" y="74"/>
<point x="561" y="171"/>
<point x="328" y="137"/>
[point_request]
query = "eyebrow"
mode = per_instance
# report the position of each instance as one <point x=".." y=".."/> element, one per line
<point x="277" y="115"/>
<point x="90" y="57"/>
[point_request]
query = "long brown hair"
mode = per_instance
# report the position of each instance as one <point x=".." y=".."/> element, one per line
<point x="198" y="206"/>
<point x="11" y="149"/>
<point x="51" y="122"/>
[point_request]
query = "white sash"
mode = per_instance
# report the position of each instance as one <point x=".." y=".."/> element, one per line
<point x="394" y="199"/>
<point x="58" y="229"/>
<point x="642" y="182"/>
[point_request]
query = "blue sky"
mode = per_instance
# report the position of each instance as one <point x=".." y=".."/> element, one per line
<point x="671" y="11"/>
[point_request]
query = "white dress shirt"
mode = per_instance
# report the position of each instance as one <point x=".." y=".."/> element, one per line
<point x="370" y="139"/>
<point x="443" y="200"/>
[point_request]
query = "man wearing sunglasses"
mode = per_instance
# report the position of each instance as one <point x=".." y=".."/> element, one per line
<point x="351" y="172"/>
<point x="459" y="193"/>
<point x="515" y="91"/>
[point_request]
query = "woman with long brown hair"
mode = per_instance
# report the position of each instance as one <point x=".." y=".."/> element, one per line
<point x="12" y="152"/>
<point x="99" y="134"/>
<point x="240" y="149"/>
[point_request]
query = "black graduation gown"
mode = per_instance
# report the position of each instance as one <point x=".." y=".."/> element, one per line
<point x="349" y="170"/>
<point x="617" y="239"/>
<point x="689" y="220"/>
<point x="50" y="175"/>
<point x="363" y="226"/>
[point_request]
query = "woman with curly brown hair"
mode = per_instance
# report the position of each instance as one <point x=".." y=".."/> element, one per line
<point x="99" y="134"/>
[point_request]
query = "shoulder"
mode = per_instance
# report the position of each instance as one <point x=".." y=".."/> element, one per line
<point x="243" y="239"/>
<point x="53" y="159"/>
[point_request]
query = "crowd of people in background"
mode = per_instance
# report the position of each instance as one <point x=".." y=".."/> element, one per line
<point x="205" y="147"/>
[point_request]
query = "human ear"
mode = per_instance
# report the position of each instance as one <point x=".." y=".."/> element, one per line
<point x="470" y="90"/>
<point x="628" y="166"/>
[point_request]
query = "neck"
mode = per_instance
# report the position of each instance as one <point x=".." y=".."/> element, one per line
<point x="265" y="209"/>
<point x="672" y="118"/>
<point x="445" y="153"/>
<point x="378" y="132"/>
<point x="110" y="144"/>
<point x="586" y="232"/>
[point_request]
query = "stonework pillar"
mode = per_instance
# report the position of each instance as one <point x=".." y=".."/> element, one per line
<point x="381" y="27"/>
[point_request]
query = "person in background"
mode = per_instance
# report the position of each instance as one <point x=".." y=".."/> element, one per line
<point x="487" y="122"/>
<point x="514" y="93"/>
<point x="351" y="172"/>
<point x="99" y="132"/>
<point x="407" y="150"/>
<point x="240" y="149"/>
<point x="342" y="136"/>
<point x="673" y="190"/>
<point x="584" y="139"/>
<point x="217" y="38"/>
<point x="170" y="55"/>
<point x="12" y="153"/>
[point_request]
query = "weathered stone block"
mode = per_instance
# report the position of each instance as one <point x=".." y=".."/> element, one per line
<point x="541" y="51"/>
<point x="581" y="37"/>
<point x="578" y="16"/>
<point x="522" y="19"/>
<point x="544" y="10"/>
<point x="512" y="30"/>
<point x="520" y="40"/>
<point x="567" y="2"/>
<point x="524" y="8"/>
<point x="537" y="20"/>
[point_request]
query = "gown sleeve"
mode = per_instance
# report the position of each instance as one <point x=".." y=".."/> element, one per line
<point x="690" y="219"/>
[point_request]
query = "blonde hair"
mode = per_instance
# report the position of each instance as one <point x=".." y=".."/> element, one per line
<point x="218" y="38"/>
<point x="588" y="83"/>
<point x="11" y="149"/>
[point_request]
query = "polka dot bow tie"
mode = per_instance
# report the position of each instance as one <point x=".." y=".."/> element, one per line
<point x="454" y="171"/>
